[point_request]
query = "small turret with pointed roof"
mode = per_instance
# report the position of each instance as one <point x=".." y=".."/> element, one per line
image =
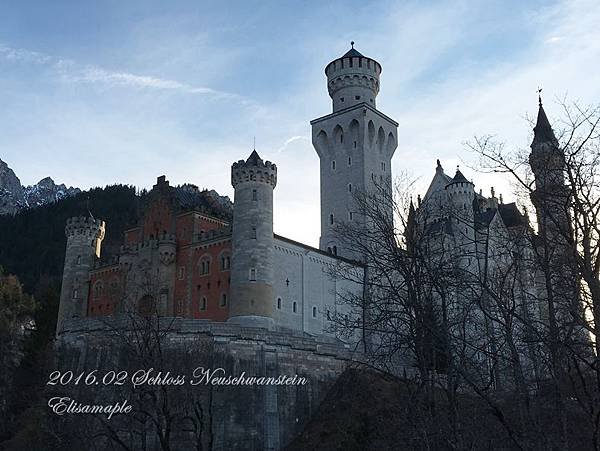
<point x="542" y="132"/>
<point x="254" y="169"/>
<point x="459" y="178"/>
<point x="353" y="79"/>
<point x="546" y="158"/>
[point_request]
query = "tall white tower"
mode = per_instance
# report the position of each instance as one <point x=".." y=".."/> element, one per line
<point x="355" y="144"/>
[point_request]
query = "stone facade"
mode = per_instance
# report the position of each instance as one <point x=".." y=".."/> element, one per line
<point x="237" y="417"/>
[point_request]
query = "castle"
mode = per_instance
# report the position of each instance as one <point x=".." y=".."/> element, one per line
<point x="184" y="262"/>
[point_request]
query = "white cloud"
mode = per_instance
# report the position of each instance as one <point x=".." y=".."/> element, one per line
<point x="71" y="71"/>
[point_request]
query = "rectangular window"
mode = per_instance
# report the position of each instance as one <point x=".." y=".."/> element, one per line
<point x="252" y="275"/>
<point x="254" y="195"/>
<point x="253" y="233"/>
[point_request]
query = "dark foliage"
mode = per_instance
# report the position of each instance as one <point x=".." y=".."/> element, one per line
<point x="32" y="243"/>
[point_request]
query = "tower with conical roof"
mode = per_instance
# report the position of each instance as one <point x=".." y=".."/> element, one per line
<point x="551" y="194"/>
<point x="252" y="271"/>
<point x="460" y="195"/>
<point x="551" y="198"/>
<point x="355" y="144"/>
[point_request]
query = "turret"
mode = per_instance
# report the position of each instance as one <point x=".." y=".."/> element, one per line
<point x="84" y="241"/>
<point x="461" y="193"/>
<point x="547" y="163"/>
<point x="252" y="271"/>
<point x="352" y="79"/>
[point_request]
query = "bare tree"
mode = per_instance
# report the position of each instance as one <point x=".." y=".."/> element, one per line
<point x="564" y="188"/>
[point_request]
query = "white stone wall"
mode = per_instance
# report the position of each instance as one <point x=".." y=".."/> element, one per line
<point x="303" y="276"/>
<point x="355" y="148"/>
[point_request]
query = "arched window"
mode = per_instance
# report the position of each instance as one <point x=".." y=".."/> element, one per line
<point x="98" y="289"/>
<point x="254" y="195"/>
<point x="114" y="288"/>
<point x="350" y="158"/>
<point x="294" y="307"/>
<point x="204" y="265"/>
<point x="225" y="262"/>
<point x="349" y="187"/>
<point x="203" y="304"/>
<point x="252" y="275"/>
<point x="314" y="312"/>
<point x="223" y="302"/>
<point x="278" y="303"/>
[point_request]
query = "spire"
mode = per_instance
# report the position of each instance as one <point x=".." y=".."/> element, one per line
<point x="254" y="158"/>
<point x="352" y="51"/>
<point x="542" y="132"/>
<point x="439" y="167"/>
<point x="459" y="177"/>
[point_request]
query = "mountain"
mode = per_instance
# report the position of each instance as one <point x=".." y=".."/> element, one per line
<point x="46" y="191"/>
<point x="14" y="197"/>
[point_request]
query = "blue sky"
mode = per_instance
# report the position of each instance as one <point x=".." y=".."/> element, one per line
<point x="100" y="92"/>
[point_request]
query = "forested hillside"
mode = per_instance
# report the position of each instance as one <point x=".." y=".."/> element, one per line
<point x="32" y="243"/>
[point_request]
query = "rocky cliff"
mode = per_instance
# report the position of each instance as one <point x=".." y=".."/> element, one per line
<point x="15" y="197"/>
